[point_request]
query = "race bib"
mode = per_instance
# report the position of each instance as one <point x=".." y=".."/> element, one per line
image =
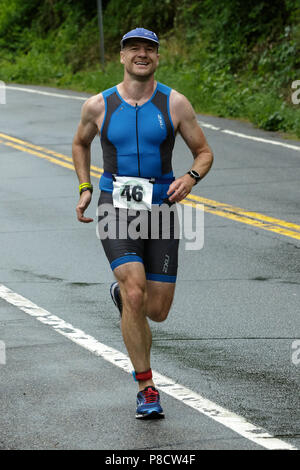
<point x="132" y="193"/>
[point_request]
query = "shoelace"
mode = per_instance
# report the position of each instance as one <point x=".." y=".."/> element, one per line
<point x="151" y="396"/>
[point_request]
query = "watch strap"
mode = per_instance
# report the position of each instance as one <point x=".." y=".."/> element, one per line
<point x="194" y="174"/>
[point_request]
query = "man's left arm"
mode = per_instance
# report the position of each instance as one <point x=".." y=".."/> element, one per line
<point x="196" y="141"/>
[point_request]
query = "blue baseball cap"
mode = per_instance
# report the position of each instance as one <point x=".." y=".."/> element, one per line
<point x="140" y="33"/>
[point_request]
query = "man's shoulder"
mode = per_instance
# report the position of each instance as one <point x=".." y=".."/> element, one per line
<point x="180" y="107"/>
<point x="171" y="91"/>
<point x="178" y="99"/>
<point x="94" y="105"/>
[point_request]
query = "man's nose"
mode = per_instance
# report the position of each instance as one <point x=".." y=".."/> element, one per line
<point x="142" y="52"/>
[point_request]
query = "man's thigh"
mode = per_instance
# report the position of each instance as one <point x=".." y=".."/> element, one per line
<point x="160" y="256"/>
<point x="113" y="233"/>
<point x="131" y="274"/>
<point x="161" y="260"/>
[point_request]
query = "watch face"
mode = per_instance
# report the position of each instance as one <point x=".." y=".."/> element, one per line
<point x="195" y="174"/>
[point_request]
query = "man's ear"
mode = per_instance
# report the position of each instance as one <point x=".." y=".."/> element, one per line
<point x="122" y="57"/>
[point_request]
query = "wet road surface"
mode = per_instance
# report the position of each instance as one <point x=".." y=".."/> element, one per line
<point x="231" y="336"/>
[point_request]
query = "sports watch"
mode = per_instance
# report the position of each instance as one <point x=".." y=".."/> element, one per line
<point x="194" y="174"/>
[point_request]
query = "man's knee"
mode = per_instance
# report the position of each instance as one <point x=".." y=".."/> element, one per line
<point x="134" y="295"/>
<point x="132" y="281"/>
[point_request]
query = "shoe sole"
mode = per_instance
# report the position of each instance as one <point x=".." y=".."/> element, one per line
<point x="152" y="415"/>
<point x="112" y="294"/>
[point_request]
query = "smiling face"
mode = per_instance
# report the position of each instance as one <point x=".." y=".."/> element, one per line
<point x="140" y="58"/>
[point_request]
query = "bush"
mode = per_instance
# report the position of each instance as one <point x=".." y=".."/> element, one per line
<point x="236" y="58"/>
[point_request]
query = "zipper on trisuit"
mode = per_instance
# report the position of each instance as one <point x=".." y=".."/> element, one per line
<point x="137" y="137"/>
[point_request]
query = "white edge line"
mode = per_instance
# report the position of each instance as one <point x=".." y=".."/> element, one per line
<point x="217" y="413"/>
<point x="203" y="124"/>
<point x="250" y="137"/>
<point x="260" y="139"/>
<point x="46" y="93"/>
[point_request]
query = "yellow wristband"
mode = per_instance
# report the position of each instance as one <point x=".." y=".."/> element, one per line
<point x="85" y="186"/>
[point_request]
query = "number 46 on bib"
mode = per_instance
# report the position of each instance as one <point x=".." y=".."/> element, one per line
<point x="132" y="193"/>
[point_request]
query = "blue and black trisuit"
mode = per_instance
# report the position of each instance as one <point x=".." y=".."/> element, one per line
<point x="138" y="141"/>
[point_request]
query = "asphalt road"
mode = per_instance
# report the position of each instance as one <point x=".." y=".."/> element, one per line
<point x="230" y="335"/>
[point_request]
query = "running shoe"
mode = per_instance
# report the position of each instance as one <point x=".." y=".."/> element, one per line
<point x="116" y="296"/>
<point x="148" y="404"/>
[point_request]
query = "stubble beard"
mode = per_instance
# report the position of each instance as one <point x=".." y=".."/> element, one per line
<point x="140" y="78"/>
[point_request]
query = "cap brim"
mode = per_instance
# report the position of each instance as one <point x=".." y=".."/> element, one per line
<point x="123" y="41"/>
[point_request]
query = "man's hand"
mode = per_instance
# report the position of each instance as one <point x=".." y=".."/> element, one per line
<point x="82" y="205"/>
<point x="180" y="188"/>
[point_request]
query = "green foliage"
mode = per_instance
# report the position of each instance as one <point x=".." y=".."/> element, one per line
<point x="120" y="17"/>
<point x="236" y="58"/>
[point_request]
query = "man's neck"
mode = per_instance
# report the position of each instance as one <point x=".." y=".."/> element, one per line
<point x="137" y="91"/>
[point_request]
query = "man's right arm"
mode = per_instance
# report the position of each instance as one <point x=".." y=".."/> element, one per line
<point x="91" y="116"/>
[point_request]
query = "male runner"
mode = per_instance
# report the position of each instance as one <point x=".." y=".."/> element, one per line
<point x="137" y="121"/>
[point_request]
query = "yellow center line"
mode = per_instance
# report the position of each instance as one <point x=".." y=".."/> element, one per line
<point x="220" y="209"/>
<point x="237" y="210"/>
<point x="43" y="149"/>
<point x="245" y="220"/>
<point x="46" y="157"/>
